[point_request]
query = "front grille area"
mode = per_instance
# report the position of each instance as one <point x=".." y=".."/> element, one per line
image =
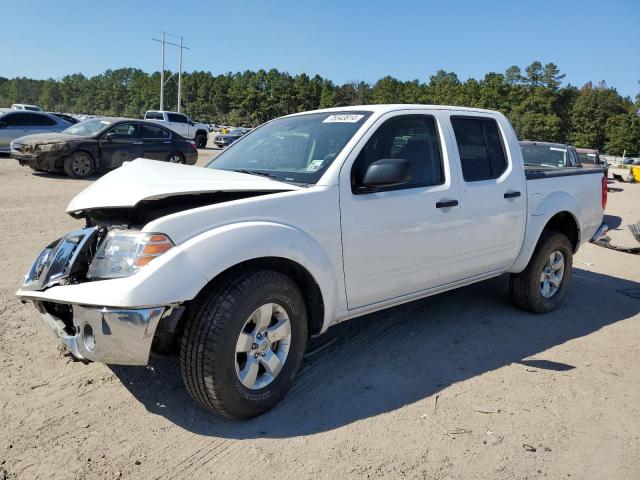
<point x="62" y="261"/>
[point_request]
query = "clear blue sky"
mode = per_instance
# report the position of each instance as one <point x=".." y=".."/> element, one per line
<point x="341" y="40"/>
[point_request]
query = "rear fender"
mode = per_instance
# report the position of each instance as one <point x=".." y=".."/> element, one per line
<point x="540" y="211"/>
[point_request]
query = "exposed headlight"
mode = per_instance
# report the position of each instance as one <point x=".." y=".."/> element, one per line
<point x="124" y="252"/>
<point x="52" y="147"/>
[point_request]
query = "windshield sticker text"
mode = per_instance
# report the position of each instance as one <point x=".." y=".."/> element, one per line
<point x="343" y="118"/>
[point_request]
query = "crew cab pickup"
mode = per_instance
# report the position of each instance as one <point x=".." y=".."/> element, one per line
<point x="309" y="220"/>
<point x="181" y="124"/>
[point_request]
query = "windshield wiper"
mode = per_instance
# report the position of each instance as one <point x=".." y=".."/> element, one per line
<point x="257" y="172"/>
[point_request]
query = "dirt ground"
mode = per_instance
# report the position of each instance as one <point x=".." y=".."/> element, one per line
<point x="457" y="386"/>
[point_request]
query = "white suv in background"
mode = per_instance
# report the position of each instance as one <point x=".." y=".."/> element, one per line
<point x="181" y="124"/>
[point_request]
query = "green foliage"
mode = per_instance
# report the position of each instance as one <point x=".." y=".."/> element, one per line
<point x="623" y="134"/>
<point x="533" y="98"/>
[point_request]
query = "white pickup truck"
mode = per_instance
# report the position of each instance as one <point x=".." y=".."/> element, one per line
<point x="181" y="124"/>
<point x="307" y="221"/>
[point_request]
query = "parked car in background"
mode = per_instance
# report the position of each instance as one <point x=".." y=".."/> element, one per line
<point x="631" y="161"/>
<point x="310" y="220"/>
<point x="225" y="139"/>
<point x="590" y="158"/>
<point x="101" y="144"/>
<point x="550" y="155"/>
<point x="24" y="106"/>
<point x="182" y="125"/>
<point x="18" y="123"/>
<point x="65" y="116"/>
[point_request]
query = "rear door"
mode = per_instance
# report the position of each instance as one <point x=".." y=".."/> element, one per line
<point x="123" y="145"/>
<point x="492" y="193"/>
<point x="156" y="142"/>
<point x="180" y="124"/>
<point x="400" y="240"/>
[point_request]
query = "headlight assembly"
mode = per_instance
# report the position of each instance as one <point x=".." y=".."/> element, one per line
<point x="124" y="252"/>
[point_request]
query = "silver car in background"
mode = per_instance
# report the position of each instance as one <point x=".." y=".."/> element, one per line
<point x="18" y="123"/>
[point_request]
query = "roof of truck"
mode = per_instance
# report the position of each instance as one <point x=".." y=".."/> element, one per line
<point x="383" y="108"/>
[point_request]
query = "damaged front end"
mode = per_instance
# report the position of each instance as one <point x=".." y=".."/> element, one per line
<point x="96" y="333"/>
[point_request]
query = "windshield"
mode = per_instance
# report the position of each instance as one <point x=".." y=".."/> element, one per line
<point x="88" y="128"/>
<point x="544" y="156"/>
<point x="292" y="149"/>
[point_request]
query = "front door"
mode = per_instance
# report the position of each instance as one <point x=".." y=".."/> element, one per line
<point x="404" y="239"/>
<point x="120" y="144"/>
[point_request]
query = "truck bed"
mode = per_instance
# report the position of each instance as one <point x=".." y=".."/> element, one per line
<point x="535" y="173"/>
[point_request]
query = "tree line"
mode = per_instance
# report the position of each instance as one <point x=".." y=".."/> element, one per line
<point x="534" y="99"/>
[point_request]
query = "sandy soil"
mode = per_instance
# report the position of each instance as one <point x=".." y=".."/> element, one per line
<point x="458" y="386"/>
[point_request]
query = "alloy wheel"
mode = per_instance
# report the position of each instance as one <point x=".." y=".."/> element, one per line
<point x="552" y="274"/>
<point x="262" y="346"/>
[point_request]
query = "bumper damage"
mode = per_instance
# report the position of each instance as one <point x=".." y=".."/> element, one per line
<point x="101" y="334"/>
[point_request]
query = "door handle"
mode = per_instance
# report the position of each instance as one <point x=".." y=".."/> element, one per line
<point x="511" y="194"/>
<point x="447" y="204"/>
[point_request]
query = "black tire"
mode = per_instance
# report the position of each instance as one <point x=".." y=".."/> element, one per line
<point x="175" y="157"/>
<point x="208" y="352"/>
<point x="525" y="287"/>
<point x="201" y="140"/>
<point x="79" y="165"/>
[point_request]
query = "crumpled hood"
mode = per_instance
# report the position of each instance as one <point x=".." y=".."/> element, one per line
<point x="46" y="138"/>
<point x="144" y="179"/>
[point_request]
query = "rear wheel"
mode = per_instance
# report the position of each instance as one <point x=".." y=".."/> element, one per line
<point x="201" y="140"/>
<point x="175" y="157"/>
<point x="243" y="344"/>
<point x="539" y="288"/>
<point x="78" y="165"/>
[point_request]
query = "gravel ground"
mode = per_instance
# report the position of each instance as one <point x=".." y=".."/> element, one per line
<point x="457" y="386"/>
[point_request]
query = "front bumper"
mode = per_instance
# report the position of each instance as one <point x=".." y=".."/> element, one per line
<point x="42" y="161"/>
<point x="107" y="335"/>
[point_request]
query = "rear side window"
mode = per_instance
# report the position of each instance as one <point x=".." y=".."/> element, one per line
<point x="151" y="131"/>
<point x="411" y="137"/>
<point x="176" y="117"/>
<point x="481" y="149"/>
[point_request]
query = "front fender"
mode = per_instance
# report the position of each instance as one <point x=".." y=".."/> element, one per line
<point x="224" y="247"/>
<point x="540" y="211"/>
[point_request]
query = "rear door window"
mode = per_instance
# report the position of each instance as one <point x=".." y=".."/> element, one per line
<point x="154" y="132"/>
<point x="481" y="148"/>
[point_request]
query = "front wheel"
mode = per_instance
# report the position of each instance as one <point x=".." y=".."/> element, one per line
<point x="243" y="344"/>
<point x="78" y="165"/>
<point x="539" y="288"/>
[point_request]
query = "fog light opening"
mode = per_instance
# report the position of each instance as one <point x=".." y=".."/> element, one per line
<point x="88" y="337"/>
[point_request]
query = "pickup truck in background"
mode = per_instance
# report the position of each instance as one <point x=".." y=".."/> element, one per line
<point x="312" y="219"/>
<point x="182" y="125"/>
<point x="590" y="158"/>
<point x="549" y="155"/>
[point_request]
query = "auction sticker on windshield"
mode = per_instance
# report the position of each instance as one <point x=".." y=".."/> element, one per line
<point x="343" y="118"/>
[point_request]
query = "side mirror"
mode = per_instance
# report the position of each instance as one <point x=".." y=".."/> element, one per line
<point x="3" y="124"/>
<point x="191" y="123"/>
<point x="111" y="137"/>
<point x="387" y="172"/>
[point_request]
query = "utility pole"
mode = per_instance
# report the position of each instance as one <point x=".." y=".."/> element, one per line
<point x="163" y="82"/>
<point x="180" y="77"/>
